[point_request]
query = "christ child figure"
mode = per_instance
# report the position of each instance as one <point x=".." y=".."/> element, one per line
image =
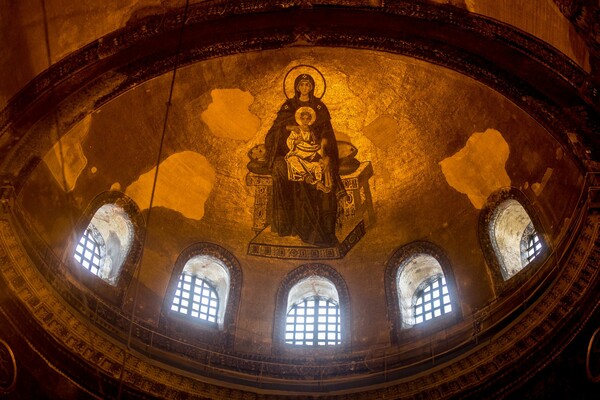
<point x="305" y="159"/>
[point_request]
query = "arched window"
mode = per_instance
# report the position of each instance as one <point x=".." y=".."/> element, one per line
<point x="531" y="245"/>
<point x="202" y="299"/>
<point x="203" y="290"/>
<point x="313" y="313"/>
<point x="431" y="299"/>
<point x="420" y="289"/>
<point x="514" y="238"/>
<point x="104" y="245"/>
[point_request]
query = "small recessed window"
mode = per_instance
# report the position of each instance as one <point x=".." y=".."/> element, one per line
<point x="313" y="322"/>
<point x="202" y="290"/>
<point x="423" y="293"/>
<point x="104" y="245"/>
<point x="514" y="237"/>
<point x="197" y="298"/>
<point x="313" y="313"/>
<point x="431" y="300"/>
<point x="202" y="297"/>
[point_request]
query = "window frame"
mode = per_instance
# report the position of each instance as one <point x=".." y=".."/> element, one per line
<point x="530" y="241"/>
<point x="96" y="238"/>
<point x="316" y="299"/>
<point x="282" y="307"/>
<point x="197" y="281"/>
<point x="112" y="293"/>
<point x="490" y="249"/>
<point x="400" y="330"/>
<point x="194" y="330"/>
<point x="422" y="288"/>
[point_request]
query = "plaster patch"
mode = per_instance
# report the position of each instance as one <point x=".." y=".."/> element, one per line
<point x="382" y="131"/>
<point x="538" y="187"/>
<point x="66" y="159"/>
<point x="228" y="115"/>
<point x="185" y="180"/>
<point x="478" y="169"/>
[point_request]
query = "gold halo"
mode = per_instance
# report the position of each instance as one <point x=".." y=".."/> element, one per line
<point x="312" y="113"/>
<point x="320" y="85"/>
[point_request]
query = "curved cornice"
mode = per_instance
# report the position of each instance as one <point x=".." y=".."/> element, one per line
<point x="499" y="349"/>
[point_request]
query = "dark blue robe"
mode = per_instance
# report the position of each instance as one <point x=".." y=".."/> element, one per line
<point x="298" y="208"/>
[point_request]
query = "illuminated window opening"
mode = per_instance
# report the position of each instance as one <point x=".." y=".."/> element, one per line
<point x="534" y="247"/>
<point x="91" y="250"/>
<point x="431" y="300"/>
<point x="104" y="245"/>
<point x="422" y="290"/>
<point x="516" y="241"/>
<point x="313" y="313"/>
<point x="202" y="290"/>
<point x="197" y="298"/>
<point x="531" y="245"/>
<point x="314" y="322"/>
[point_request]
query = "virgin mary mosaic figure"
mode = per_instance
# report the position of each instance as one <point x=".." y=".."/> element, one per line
<point x="302" y="155"/>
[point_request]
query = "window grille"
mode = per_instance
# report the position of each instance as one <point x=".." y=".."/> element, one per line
<point x="104" y="245"/>
<point x="534" y="247"/>
<point x="513" y="237"/>
<point x="196" y="297"/>
<point x="90" y="250"/>
<point x="313" y="322"/>
<point x="432" y="300"/>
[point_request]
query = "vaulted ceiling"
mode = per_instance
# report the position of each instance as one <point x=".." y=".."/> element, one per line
<point x="441" y="110"/>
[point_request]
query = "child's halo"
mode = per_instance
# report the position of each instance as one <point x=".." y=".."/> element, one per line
<point x="301" y="110"/>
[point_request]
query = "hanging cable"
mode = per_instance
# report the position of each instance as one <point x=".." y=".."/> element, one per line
<point x="55" y="130"/>
<point x="154" y="183"/>
<point x="55" y="121"/>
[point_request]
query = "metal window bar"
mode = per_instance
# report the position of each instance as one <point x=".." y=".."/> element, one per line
<point x="196" y="297"/>
<point x="534" y="247"/>
<point x="432" y="301"/>
<point x="89" y="249"/>
<point x="314" y="322"/>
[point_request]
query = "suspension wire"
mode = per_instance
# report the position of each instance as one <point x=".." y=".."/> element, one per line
<point x="55" y="130"/>
<point x="154" y="183"/>
<point x="55" y="121"/>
